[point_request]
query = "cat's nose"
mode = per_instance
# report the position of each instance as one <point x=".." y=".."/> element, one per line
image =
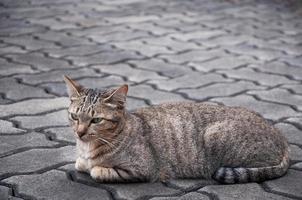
<point x="81" y="130"/>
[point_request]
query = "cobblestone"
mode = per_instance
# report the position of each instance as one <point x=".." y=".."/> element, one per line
<point x="238" y="53"/>
<point x="289" y="184"/>
<point x="251" y="191"/>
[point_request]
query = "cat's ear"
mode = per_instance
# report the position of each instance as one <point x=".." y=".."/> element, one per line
<point x="117" y="97"/>
<point x="74" y="89"/>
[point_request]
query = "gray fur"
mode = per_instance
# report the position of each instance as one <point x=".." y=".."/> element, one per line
<point x="179" y="140"/>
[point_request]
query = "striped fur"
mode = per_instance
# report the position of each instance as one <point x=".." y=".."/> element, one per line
<point x="230" y="175"/>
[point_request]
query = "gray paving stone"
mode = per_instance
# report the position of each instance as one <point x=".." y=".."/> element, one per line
<point x="224" y="40"/>
<point x="104" y="58"/>
<point x="151" y="27"/>
<point x="133" y="103"/>
<point x="17" y="91"/>
<point x="131" y="191"/>
<point x="190" y="184"/>
<point x="292" y="134"/>
<point x="13" y="143"/>
<point x="296" y="120"/>
<point x="268" y="110"/>
<point x="58" y="118"/>
<point x="32" y="108"/>
<point x="4" y="192"/>
<point x="29" y="42"/>
<point x="36" y="159"/>
<point x="7" y="127"/>
<point x="296" y="88"/>
<point x="262" y="78"/>
<point x="53" y="23"/>
<point x="144" y="49"/>
<point x="91" y="82"/>
<point x="289" y="184"/>
<point x="229" y="62"/>
<point x="62" y="38"/>
<point x="295" y="153"/>
<point x="132" y="19"/>
<point x="39" y="61"/>
<point x="279" y="96"/>
<point x="173" y="44"/>
<point x="78" y="51"/>
<point x="8" y="68"/>
<point x="154" y="96"/>
<point x="295" y="61"/>
<point x="11" y="49"/>
<point x="259" y="53"/>
<point x="57" y="76"/>
<point x="192" y="56"/>
<point x="118" y="36"/>
<point x="132" y="74"/>
<point x="220" y="89"/>
<point x="280" y="68"/>
<point x="189" y="196"/>
<point x="62" y="133"/>
<point x="297" y="166"/>
<point x="241" y="191"/>
<point x="189" y="80"/>
<point x="166" y="69"/>
<point x="55" y="185"/>
<point x="201" y="34"/>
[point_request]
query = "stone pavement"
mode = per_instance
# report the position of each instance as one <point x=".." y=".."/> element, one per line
<point x="236" y="52"/>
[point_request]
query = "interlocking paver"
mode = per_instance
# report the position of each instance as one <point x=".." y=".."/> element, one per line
<point x="55" y="185"/>
<point x="264" y="79"/>
<point x="7" y="127"/>
<point x="263" y="108"/>
<point x="251" y="191"/>
<point x="39" y="61"/>
<point x="10" y="143"/>
<point x="289" y="184"/>
<point x="17" y="91"/>
<point x="220" y="89"/>
<point x="292" y="134"/>
<point x="189" y="80"/>
<point x="240" y="53"/>
<point x="58" y="118"/>
<point x="31" y="106"/>
<point x="36" y="159"/>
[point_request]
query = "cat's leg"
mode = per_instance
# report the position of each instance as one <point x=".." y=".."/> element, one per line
<point x="81" y="165"/>
<point x="104" y="174"/>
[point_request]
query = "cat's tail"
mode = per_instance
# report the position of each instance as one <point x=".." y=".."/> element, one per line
<point x="244" y="175"/>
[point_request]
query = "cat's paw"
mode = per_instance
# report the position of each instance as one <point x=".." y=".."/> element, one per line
<point x="100" y="173"/>
<point x="80" y="165"/>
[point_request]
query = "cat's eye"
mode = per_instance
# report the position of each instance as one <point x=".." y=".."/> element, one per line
<point x="73" y="116"/>
<point x="96" y="120"/>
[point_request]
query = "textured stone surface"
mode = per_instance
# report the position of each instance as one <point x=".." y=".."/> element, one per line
<point x="62" y="133"/>
<point x="36" y="159"/>
<point x="268" y="110"/>
<point x="289" y="184"/>
<point x="55" y="185"/>
<point x="58" y="118"/>
<point x="13" y="143"/>
<point x="220" y="89"/>
<point x="7" y="127"/>
<point x="292" y="134"/>
<point x="240" y="53"/>
<point x="131" y="190"/>
<point x="241" y="191"/>
<point x="33" y="106"/>
<point x="189" y="196"/>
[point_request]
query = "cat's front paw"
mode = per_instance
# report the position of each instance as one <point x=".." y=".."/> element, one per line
<point x="103" y="174"/>
<point x="80" y="165"/>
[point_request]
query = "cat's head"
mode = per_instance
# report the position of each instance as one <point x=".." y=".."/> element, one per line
<point x="96" y="115"/>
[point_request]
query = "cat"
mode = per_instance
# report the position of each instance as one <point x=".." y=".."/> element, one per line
<point x="171" y="140"/>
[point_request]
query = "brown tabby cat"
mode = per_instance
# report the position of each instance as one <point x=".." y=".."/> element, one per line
<point x="172" y="140"/>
